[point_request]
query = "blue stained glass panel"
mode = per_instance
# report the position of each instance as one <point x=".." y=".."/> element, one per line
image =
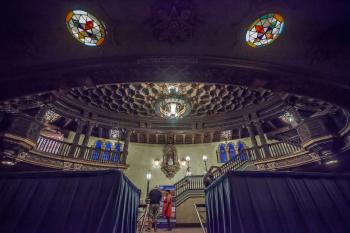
<point x="96" y="152"/>
<point x="222" y="153"/>
<point x="231" y="151"/>
<point x="116" y="153"/>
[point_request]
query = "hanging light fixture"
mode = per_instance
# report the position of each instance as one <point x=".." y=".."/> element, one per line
<point x="172" y="104"/>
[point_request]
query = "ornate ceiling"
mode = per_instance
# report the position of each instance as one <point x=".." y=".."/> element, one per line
<point x="139" y="98"/>
<point x="203" y="39"/>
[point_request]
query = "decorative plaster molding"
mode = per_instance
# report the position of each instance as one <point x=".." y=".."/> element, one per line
<point x="288" y="161"/>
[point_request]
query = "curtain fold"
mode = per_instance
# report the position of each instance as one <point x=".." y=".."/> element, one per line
<point x="70" y="202"/>
<point x="283" y="202"/>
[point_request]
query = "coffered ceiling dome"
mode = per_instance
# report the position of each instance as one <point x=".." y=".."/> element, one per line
<point x="140" y="98"/>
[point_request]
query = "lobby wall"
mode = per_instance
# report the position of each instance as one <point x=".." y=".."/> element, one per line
<point x="141" y="158"/>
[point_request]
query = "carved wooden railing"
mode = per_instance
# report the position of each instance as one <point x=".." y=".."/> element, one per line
<point x="67" y="150"/>
<point x="194" y="184"/>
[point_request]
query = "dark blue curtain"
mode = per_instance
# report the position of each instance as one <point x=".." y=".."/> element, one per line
<point x="69" y="202"/>
<point x="257" y="202"/>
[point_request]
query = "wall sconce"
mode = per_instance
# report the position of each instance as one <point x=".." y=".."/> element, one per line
<point x="205" y="159"/>
<point x="156" y="163"/>
<point x="148" y="175"/>
<point x="148" y="178"/>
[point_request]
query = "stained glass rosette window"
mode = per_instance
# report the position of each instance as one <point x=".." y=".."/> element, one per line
<point x="85" y="28"/>
<point x="265" y="30"/>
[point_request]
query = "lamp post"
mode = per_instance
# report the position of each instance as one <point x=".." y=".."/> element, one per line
<point x="205" y="159"/>
<point x="148" y="177"/>
<point x="188" y="170"/>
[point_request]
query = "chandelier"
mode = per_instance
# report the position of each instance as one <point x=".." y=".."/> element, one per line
<point x="172" y="104"/>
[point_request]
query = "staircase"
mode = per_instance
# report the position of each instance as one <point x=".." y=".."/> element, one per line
<point x="192" y="186"/>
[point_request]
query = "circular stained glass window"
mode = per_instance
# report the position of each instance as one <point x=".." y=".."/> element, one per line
<point x="85" y="28"/>
<point x="265" y="30"/>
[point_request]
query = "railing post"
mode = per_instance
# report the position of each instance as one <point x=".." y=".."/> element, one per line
<point x="76" y="138"/>
<point x="263" y="140"/>
<point x="90" y="127"/>
<point x="126" y="145"/>
<point x="253" y="140"/>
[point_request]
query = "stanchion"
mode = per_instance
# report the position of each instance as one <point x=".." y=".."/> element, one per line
<point x="143" y="217"/>
<point x="200" y="217"/>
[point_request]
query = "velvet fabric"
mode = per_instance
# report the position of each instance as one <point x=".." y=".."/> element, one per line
<point x="283" y="202"/>
<point x="69" y="202"/>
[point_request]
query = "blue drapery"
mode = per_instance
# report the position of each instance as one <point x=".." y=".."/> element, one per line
<point x="70" y="202"/>
<point x="247" y="202"/>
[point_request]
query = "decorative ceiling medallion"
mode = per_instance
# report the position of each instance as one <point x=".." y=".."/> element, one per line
<point x="265" y="30"/>
<point x="85" y="28"/>
<point x="172" y="104"/>
<point x="170" y="165"/>
<point x="173" y="20"/>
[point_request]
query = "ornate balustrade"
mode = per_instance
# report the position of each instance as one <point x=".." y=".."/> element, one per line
<point x="63" y="155"/>
<point x="194" y="184"/>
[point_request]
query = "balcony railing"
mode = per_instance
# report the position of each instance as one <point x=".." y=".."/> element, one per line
<point x="195" y="183"/>
<point x="67" y="150"/>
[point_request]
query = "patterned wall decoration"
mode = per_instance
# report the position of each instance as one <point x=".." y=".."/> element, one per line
<point x="173" y="20"/>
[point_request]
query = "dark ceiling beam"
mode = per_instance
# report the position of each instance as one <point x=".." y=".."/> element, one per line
<point x="271" y="125"/>
<point x="67" y="121"/>
<point x="92" y="72"/>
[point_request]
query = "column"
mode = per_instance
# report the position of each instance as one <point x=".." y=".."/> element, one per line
<point x="211" y="137"/>
<point x="263" y="141"/>
<point x="126" y="145"/>
<point x="240" y="133"/>
<point x="76" y="138"/>
<point x="253" y="140"/>
<point x="90" y="127"/>
<point x="100" y="132"/>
